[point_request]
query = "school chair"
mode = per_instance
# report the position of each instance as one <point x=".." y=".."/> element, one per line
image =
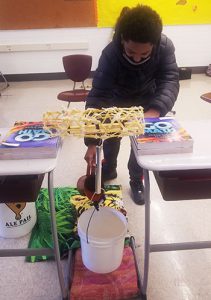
<point x="206" y="97"/>
<point x="77" y="68"/>
<point x="5" y="82"/>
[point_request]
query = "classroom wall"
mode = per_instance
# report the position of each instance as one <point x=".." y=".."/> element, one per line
<point x="192" y="43"/>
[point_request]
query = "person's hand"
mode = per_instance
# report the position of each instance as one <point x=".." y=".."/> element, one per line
<point x="152" y="113"/>
<point x="90" y="156"/>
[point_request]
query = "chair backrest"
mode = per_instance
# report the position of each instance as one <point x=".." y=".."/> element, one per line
<point x="77" y="66"/>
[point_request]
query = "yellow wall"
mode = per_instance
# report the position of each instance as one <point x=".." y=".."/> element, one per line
<point x="172" y="12"/>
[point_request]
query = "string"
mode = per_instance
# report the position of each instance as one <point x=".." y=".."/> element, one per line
<point x="96" y="208"/>
<point x="87" y="229"/>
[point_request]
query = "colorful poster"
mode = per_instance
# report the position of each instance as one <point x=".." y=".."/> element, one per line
<point x="172" y="12"/>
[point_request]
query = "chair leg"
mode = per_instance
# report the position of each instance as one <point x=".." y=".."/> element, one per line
<point x="5" y="81"/>
<point x="68" y="104"/>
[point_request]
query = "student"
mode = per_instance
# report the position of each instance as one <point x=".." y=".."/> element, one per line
<point x="138" y="68"/>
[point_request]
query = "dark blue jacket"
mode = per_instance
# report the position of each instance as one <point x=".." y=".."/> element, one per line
<point x="153" y="84"/>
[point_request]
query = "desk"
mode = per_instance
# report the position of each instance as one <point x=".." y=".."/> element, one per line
<point x="200" y="159"/>
<point x="32" y="167"/>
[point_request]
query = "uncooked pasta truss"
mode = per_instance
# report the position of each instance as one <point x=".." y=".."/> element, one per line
<point x="96" y="123"/>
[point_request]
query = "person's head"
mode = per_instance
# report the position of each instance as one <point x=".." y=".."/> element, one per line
<point x="139" y="29"/>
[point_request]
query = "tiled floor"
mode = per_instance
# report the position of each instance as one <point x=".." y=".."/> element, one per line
<point x="184" y="275"/>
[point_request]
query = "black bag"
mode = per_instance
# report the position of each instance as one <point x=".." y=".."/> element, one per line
<point x="185" y="73"/>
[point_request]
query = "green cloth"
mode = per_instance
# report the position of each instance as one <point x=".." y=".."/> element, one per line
<point x="69" y="204"/>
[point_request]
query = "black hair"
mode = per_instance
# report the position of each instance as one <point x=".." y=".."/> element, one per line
<point x="140" y="24"/>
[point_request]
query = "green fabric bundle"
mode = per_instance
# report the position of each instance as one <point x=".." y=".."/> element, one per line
<point x="69" y="204"/>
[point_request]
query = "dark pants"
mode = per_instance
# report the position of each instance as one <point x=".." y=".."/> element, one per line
<point x="111" y="150"/>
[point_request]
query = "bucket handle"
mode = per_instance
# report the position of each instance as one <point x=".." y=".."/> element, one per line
<point x="87" y="228"/>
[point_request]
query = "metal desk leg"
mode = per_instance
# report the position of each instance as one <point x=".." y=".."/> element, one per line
<point x="64" y="290"/>
<point x="147" y="231"/>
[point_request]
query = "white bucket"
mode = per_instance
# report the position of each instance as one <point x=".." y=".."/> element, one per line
<point x="17" y="219"/>
<point x="103" y="251"/>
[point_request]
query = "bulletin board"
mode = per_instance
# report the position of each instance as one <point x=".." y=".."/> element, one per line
<point x="172" y="12"/>
<point x="40" y="14"/>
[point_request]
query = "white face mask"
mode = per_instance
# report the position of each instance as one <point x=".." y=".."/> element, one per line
<point x="132" y="62"/>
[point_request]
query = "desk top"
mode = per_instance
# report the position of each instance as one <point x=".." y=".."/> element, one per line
<point x="200" y="131"/>
<point x="25" y="166"/>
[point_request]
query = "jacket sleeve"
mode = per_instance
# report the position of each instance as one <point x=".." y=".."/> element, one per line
<point x="167" y="79"/>
<point x="101" y="94"/>
<point x="103" y="83"/>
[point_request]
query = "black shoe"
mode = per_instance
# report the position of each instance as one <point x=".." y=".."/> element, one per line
<point x="137" y="192"/>
<point x="109" y="175"/>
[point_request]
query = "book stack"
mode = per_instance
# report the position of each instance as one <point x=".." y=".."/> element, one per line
<point x="162" y="136"/>
<point x="29" y="140"/>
